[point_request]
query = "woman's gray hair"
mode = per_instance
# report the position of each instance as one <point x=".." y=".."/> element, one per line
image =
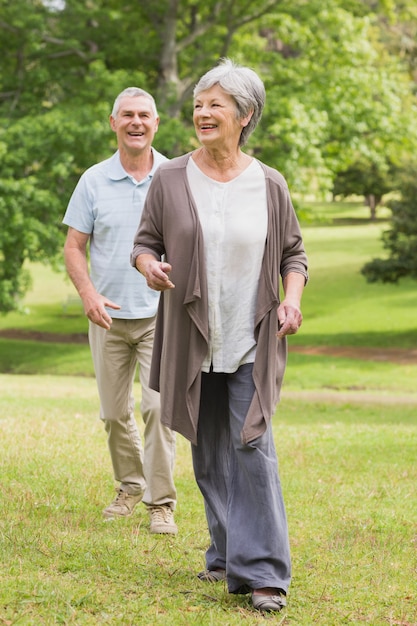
<point x="133" y="92"/>
<point x="245" y="87"/>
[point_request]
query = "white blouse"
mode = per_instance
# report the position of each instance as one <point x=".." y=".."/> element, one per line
<point x="233" y="217"/>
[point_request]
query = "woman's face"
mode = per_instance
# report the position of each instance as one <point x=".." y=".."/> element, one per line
<point x="215" y="119"/>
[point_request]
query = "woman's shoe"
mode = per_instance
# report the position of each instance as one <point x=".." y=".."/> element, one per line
<point x="268" y="603"/>
<point x="212" y="575"/>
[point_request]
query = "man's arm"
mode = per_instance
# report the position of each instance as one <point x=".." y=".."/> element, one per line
<point x="75" y="255"/>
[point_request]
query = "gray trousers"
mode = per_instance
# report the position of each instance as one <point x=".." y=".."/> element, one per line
<point x="116" y="354"/>
<point x="241" y="488"/>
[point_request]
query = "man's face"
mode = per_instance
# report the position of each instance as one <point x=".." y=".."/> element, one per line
<point x="135" y="124"/>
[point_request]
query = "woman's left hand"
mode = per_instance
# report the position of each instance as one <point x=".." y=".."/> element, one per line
<point x="289" y="311"/>
<point x="289" y="318"/>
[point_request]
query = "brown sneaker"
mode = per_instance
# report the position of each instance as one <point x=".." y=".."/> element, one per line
<point x="162" y="520"/>
<point x="122" y="505"/>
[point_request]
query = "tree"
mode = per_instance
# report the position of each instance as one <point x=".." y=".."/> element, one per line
<point x="400" y="240"/>
<point x="336" y="95"/>
<point x="194" y="36"/>
<point x="367" y="179"/>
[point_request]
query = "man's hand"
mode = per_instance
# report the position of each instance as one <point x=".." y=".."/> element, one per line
<point x="75" y="255"/>
<point x="94" y="304"/>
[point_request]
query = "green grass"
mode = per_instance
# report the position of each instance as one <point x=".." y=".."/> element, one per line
<point x="348" y="474"/>
<point x="345" y="432"/>
<point x="51" y="305"/>
<point x="38" y="357"/>
<point x="340" y="307"/>
<point x="307" y="372"/>
<point x="351" y="211"/>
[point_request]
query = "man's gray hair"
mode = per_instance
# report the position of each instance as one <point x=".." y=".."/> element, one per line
<point x="244" y="85"/>
<point x="133" y="92"/>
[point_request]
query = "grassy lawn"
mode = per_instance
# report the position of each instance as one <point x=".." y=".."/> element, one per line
<point x="340" y="308"/>
<point x="345" y="431"/>
<point x="51" y="305"/>
<point x="348" y="474"/>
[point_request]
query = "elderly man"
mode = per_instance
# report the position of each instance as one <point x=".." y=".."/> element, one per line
<point x="102" y="215"/>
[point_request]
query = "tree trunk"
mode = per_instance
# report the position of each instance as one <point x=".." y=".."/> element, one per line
<point x="371" y="201"/>
<point x="169" y="82"/>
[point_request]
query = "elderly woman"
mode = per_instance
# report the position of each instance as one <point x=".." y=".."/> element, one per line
<point x="217" y="232"/>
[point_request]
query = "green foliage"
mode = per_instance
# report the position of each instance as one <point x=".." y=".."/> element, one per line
<point x="27" y="236"/>
<point x="400" y="240"/>
<point x="40" y="168"/>
<point x="338" y="84"/>
<point x="372" y="180"/>
<point x="335" y="95"/>
<point x="361" y="179"/>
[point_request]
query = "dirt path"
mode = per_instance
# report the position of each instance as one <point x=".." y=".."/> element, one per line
<point x="393" y="355"/>
<point x="35" y="335"/>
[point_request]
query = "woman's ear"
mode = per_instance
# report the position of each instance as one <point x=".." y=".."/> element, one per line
<point x="245" y="120"/>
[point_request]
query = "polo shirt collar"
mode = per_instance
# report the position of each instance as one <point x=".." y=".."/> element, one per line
<point x="117" y="172"/>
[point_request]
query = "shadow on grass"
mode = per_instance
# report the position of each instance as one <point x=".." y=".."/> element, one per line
<point x="38" y="357"/>
<point x="314" y="220"/>
<point x="356" y="221"/>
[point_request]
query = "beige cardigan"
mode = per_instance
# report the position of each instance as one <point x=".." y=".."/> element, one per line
<point x="170" y="226"/>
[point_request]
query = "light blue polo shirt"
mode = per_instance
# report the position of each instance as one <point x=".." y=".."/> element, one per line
<point x="107" y="204"/>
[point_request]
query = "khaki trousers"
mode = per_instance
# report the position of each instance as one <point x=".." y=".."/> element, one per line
<point x="147" y="468"/>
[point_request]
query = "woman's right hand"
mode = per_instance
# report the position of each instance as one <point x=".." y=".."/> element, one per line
<point x="155" y="272"/>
